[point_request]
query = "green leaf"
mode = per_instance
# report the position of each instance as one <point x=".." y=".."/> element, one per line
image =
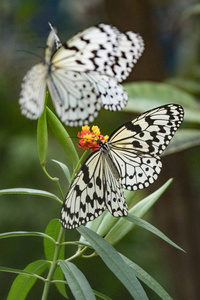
<point x="102" y="296"/>
<point x="183" y="139"/>
<point x="114" y="262"/>
<point x="53" y="230"/>
<point x="186" y="84"/>
<point x="122" y="227"/>
<point x="58" y="275"/>
<point x="62" y="136"/>
<point x="22" y="272"/>
<point x="77" y="282"/>
<point x="144" y="224"/>
<point x="25" y="233"/>
<point x="26" y="191"/>
<point x="147" y="279"/>
<point x="64" y="168"/>
<point x="147" y="95"/>
<point x="42" y="136"/>
<point x="23" y="283"/>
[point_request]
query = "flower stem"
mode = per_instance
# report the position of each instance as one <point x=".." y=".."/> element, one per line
<point x="53" y="265"/>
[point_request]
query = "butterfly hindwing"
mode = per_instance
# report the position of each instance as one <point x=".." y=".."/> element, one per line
<point x="33" y="90"/>
<point x="76" y="99"/>
<point x="137" y="170"/>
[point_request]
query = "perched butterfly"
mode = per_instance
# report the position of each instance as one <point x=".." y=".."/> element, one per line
<point x="129" y="159"/>
<point x="82" y="75"/>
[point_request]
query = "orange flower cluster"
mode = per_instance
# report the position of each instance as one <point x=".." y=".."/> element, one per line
<point x="88" y="139"/>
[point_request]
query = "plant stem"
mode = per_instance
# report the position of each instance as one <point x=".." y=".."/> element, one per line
<point x="53" y="265"/>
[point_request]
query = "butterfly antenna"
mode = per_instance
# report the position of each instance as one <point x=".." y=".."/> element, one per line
<point x="57" y="40"/>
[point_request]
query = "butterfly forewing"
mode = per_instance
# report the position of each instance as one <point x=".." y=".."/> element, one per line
<point x="85" y="199"/>
<point x="89" y="50"/>
<point x="129" y="50"/>
<point x="150" y="132"/>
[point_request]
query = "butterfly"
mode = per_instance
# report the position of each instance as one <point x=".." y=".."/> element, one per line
<point x="128" y="160"/>
<point x="82" y="75"/>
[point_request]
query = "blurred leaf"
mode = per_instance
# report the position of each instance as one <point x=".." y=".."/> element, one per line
<point x="188" y="85"/>
<point x="53" y="230"/>
<point x="62" y="136"/>
<point x="190" y="11"/>
<point x="147" y="95"/>
<point x="144" y="224"/>
<point x="147" y="279"/>
<point x="183" y="139"/>
<point x="23" y="283"/>
<point x="58" y="275"/>
<point x="64" y="168"/>
<point x="26" y="191"/>
<point x="122" y="227"/>
<point x="25" y="233"/>
<point x="77" y="282"/>
<point x="114" y="262"/>
<point x="42" y="137"/>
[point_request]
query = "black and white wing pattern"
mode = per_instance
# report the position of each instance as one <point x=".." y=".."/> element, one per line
<point x="130" y="159"/>
<point x="136" y="145"/>
<point x="95" y="188"/>
<point x="83" y="74"/>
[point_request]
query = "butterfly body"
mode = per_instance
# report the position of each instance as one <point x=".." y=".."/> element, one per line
<point x="128" y="160"/>
<point x="82" y="75"/>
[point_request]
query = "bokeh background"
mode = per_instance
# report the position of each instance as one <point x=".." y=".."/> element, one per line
<point x="171" y="32"/>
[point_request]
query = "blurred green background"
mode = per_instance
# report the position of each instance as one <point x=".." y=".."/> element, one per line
<point x="171" y="34"/>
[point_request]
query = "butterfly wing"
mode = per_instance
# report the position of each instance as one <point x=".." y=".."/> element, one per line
<point x="136" y="144"/>
<point x="85" y="198"/>
<point x="76" y="99"/>
<point x="111" y="93"/>
<point x="94" y="188"/>
<point x="32" y="94"/>
<point x="129" y="50"/>
<point x="89" y="50"/>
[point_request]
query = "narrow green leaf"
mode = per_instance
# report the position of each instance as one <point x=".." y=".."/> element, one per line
<point x="147" y="95"/>
<point x="77" y="282"/>
<point x="42" y="136"/>
<point x="144" y="224"/>
<point x="24" y="282"/>
<point x="59" y="276"/>
<point x="25" y="233"/>
<point x="62" y="136"/>
<point x="22" y="272"/>
<point x="183" y="139"/>
<point x="26" y="191"/>
<point x="121" y="226"/>
<point x="53" y="230"/>
<point x="102" y="296"/>
<point x="147" y="279"/>
<point x="64" y="168"/>
<point x="114" y="262"/>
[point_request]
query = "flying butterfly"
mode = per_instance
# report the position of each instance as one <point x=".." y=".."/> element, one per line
<point x="128" y="160"/>
<point x="82" y="75"/>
